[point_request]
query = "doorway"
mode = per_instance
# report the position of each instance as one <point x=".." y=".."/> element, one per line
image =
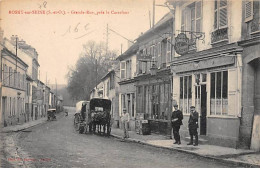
<point x="203" y="107"/>
<point x="255" y="140"/>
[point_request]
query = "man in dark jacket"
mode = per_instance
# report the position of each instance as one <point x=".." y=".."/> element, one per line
<point x="193" y="126"/>
<point x="176" y="119"/>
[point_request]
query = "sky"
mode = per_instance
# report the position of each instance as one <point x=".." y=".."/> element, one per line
<point x="58" y="37"/>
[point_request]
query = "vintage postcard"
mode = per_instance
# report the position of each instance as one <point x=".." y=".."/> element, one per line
<point x="129" y="83"/>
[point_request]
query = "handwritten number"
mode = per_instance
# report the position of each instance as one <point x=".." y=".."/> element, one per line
<point x="44" y="4"/>
<point x="76" y="28"/>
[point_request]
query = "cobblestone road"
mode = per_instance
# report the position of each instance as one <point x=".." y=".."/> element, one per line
<point x="57" y="144"/>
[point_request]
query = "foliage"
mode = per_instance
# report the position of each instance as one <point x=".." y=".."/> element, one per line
<point x="92" y="65"/>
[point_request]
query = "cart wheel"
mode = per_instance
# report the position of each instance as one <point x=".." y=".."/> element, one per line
<point x="81" y="129"/>
<point x="76" y="123"/>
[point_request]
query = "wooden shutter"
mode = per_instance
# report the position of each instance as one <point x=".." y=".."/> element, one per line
<point x="122" y="69"/>
<point x="248" y="10"/>
<point x="198" y="16"/>
<point x="176" y="89"/>
<point x="223" y="13"/>
<point x="232" y="92"/>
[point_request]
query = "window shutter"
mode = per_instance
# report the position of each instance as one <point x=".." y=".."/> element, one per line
<point x="176" y="89"/>
<point x="223" y="17"/>
<point x="122" y="69"/>
<point x="248" y="10"/>
<point x="198" y="16"/>
<point x="232" y="92"/>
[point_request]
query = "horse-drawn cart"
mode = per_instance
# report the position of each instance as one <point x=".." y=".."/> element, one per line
<point x="94" y="116"/>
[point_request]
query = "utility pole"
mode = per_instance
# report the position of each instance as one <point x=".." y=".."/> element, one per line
<point x="121" y="48"/>
<point x="153" y="11"/>
<point x="56" y="94"/>
<point x="150" y="18"/>
<point x="107" y="41"/>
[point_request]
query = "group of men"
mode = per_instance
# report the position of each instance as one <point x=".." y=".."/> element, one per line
<point x="176" y="121"/>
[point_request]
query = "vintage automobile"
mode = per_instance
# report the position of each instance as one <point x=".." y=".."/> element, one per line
<point x="51" y="114"/>
<point x="94" y="116"/>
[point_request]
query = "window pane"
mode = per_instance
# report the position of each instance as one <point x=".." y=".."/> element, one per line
<point x="212" y="85"/>
<point x="181" y="87"/>
<point x="216" y="20"/>
<point x="189" y="87"/>
<point x="198" y="9"/>
<point x="185" y="87"/>
<point x="225" y="84"/>
<point x="218" y="85"/>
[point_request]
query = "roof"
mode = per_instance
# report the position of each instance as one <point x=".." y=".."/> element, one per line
<point x="162" y="22"/>
<point x="107" y="74"/>
<point x="130" y="51"/>
<point x="8" y="52"/>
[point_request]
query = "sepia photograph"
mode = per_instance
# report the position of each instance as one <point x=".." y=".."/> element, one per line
<point x="129" y="84"/>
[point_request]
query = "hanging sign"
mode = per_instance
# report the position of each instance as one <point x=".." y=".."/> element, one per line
<point x="181" y="44"/>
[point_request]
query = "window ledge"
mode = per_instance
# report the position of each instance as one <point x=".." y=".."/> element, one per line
<point x="220" y="41"/>
<point x="222" y="116"/>
<point x="255" y="32"/>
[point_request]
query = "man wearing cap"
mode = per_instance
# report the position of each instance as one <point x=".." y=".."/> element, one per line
<point x="176" y="120"/>
<point x="125" y="118"/>
<point x="193" y="126"/>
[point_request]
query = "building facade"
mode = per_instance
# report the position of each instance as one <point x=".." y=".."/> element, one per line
<point x="249" y="134"/>
<point x="13" y="88"/>
<point x="127" y="90"/>
<point x="207" y="67"/>
<point x="153" y="78"/>
<point x="110" y="87"/>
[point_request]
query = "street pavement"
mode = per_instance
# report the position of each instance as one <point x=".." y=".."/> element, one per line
<point x="57" y="144"/>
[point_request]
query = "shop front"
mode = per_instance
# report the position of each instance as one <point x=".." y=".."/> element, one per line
<point x="210" y="80"/>
<point x="153" y="100"/>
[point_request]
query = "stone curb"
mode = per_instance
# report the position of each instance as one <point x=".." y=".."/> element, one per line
<point x="37" y="122"/>
<point x="228" y="161"/>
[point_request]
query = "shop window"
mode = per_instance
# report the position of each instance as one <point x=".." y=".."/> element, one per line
<point x="185" y="93"/>
<point x="218" y="93"/>
<point x="133" y="105"/>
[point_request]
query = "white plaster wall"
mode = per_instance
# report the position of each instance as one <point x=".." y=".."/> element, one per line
<point x="234" y="21"/>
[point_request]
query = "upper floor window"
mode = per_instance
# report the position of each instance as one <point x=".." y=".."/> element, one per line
<point x="220" y="14"/>
<point x="122" y="69"/>
<point x="248" y="10"/>
<point x="191" y="17"/>
<point x="168" y="50"/>
<point x="128" y="68"/>
<point x="112" y="81"/>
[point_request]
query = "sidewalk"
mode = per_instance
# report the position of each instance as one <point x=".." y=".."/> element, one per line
<point x="26" y="125"/>
<point x="16" y="128"/>
<point x="241" y="157"/>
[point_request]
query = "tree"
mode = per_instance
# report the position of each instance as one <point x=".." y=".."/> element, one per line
<point x="92" y="65"/>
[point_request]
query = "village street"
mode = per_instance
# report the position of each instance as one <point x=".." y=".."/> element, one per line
<point x="57" y="144"/>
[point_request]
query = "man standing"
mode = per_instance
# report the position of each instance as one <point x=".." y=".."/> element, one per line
<point x="193" y="126"/>
<point x="125" y="118"/>
<point x="176" y="119"/>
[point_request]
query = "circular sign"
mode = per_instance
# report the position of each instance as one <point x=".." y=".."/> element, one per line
<point x="181" y="44"/>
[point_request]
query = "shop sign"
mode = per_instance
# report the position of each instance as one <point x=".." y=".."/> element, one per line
<point x="181" y="44"/>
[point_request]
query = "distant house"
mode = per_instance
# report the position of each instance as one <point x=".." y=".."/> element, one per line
<point x="13" y="78"/>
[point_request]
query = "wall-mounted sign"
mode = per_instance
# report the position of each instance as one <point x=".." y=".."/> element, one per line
<point x="181" y="44"/>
